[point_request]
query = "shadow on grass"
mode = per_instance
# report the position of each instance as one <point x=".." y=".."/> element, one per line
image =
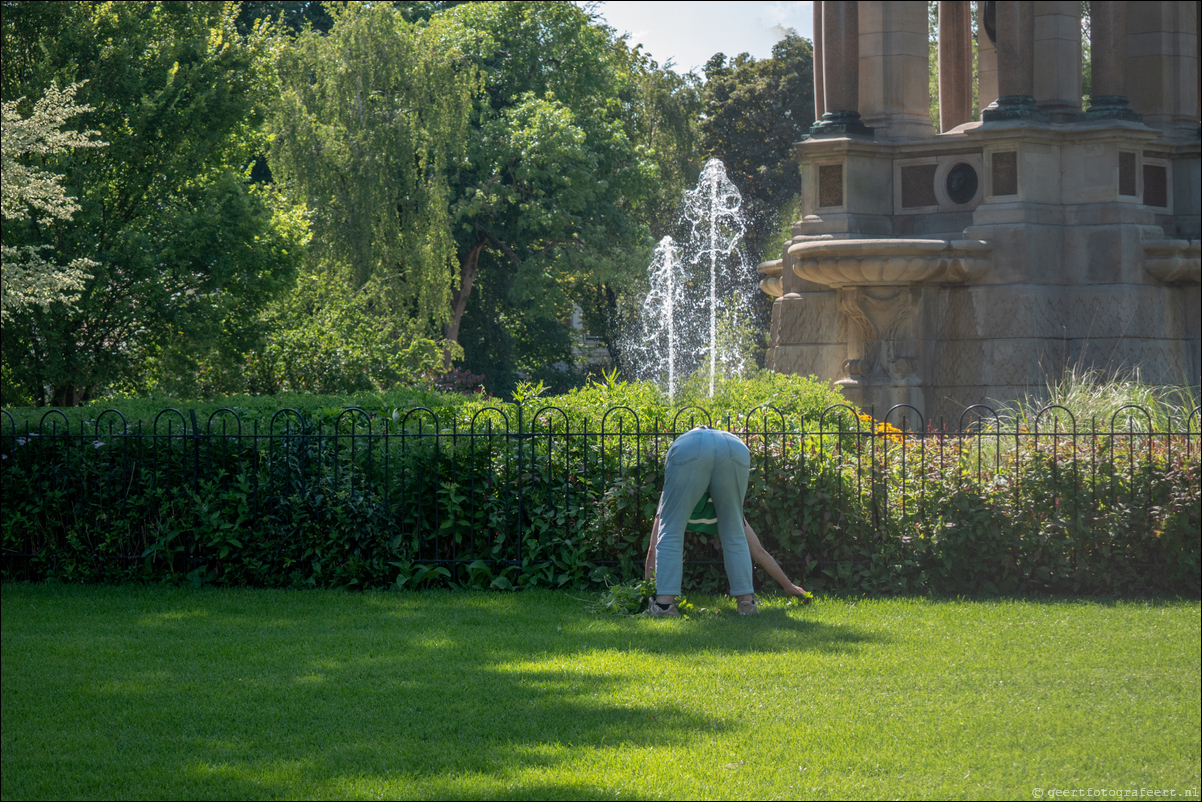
<point x="253" y="694"/>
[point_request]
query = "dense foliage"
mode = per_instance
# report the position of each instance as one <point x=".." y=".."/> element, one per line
<point x="28" y="277"/>
<point x="548" y="202"/>
<point x="370" y="119"/>
<point x="454" y="494"/>
<point x="309" y="197"/>
<point x="184" y="250"/>
<point x="755" y="112"/>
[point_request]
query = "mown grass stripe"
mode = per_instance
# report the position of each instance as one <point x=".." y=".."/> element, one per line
<point x="163" y="692"/>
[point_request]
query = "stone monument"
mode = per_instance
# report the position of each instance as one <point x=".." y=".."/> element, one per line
<point x="972" y="264"/>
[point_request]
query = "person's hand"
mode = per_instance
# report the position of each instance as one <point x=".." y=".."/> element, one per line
<point x="799" y="592"/>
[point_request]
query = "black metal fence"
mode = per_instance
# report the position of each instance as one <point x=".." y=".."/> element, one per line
<point x="534" y="492"/>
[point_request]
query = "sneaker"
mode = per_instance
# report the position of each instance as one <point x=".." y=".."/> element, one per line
<point x="749" y="606"/>
<point x="656" y="610"/>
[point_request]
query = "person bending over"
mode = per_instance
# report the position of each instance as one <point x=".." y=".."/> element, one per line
<point x="703" y="461"/>
<point x="702" y="521"/>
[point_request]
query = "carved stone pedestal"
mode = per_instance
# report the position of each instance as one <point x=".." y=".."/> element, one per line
<point x="883" y="289"/>
<point x="885" y="347"/>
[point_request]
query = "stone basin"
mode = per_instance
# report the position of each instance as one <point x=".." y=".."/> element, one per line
<point x="772" y="282"/>
<point x="1174" y="261"/>
<point x="890" y="262"/>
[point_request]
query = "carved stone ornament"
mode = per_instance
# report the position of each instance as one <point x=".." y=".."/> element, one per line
<point x="882" y="319"/>
<point x="878" y="284"/>
<point x="1173" y="261"/>
<point x="772" y="282"/>
<point x="890" y="262"/>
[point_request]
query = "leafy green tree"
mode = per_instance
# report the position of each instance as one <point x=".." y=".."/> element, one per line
<point x="186" y="252"/>
<point x="548" y="205"/>
<point x="524" y="163"/>
<point x="297" y="15"/>
<point x="517" y="183"/>
<point x="293" y="15"/>
<point x="663" y="110"/>
<point x="372" y="118"/>
<point x="754" y="113"/>
<point x="663" y="113"/>
<point x="28" y="278"/>
<point x="321" y="339"/>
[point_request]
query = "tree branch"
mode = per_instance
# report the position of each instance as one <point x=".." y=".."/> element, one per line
<point x="517" y="263"/>
<point x="556" y="242"/>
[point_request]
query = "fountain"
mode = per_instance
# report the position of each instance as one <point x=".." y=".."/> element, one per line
<point x="707" y="273"/>
<point x="657" y="347"/>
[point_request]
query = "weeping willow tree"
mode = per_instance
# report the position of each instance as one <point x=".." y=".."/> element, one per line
<point x="372" y="117"/>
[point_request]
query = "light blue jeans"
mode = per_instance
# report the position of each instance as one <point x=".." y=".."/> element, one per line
<point x="704" y="460"/>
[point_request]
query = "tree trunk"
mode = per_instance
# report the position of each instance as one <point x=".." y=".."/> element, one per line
<point x="70" y="395"/>
<point x="468" y="267"/>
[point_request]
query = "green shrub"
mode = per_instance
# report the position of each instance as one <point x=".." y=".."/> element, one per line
<point x="442" y="499"/>
<point x="1095" y="397"/>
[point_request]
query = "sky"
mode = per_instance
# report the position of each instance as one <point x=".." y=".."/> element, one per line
<point x="690" y="33"/>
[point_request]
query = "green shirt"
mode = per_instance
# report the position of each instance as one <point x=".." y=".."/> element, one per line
<point x="704" y="517"/>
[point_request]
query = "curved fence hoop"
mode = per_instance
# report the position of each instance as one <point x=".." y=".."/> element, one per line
<point x="1050" y="408"/>
<point x="1147" y="416"/>
<point x="366" y="416"/>
<point x="498" y="410"/>
<point x="450" y="500"/>
<point x="209" y="422"/>
<point x="764" y="409"/>
<point x="566" y="421"/>
<point x="922" y="424"/>
<point x="183" y="422"/>
<point x="405" y="418"/>
<point x="992" y="412"/>
<point x="100" y="417"/>
<point x="60" y="413"/>
<point x="855" y="416"/>
<point x="286" y="412"/>
<point x="620" y="409"/>
<point x="709" y="420"/>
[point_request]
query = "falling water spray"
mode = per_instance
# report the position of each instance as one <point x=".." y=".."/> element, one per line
<point x="713" y="285"/>
<point x="670" y="277"/>
<point x="658" y="341"/>
<point x="714" y="211"/>
<point x="672" y="336"/>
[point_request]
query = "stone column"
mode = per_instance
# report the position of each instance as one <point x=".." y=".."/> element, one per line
<point x="986" y="55"/>
<point x="1108" y="49"/>
<point x="1058" y="59"/>
<point x="955" y="63"/>
<point x="1162" y="66"/>
<point x="1015" y="64"/>
<point x="895" y="80"/>
<point x="840" y="71"/>
<point x="819" y="96"/>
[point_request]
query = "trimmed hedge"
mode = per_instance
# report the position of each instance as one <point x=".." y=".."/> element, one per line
<point x="1048" y="518"/>
<point x="867" y="510"/>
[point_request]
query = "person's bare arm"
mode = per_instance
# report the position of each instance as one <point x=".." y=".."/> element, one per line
<point x="759" y="555"/>
<point x="649" y="563"/>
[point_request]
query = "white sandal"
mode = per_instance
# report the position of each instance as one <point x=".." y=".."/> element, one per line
<point x="657" y="610"/>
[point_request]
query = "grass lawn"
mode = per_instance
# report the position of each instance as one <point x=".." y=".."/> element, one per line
<point x="127" y="692"/>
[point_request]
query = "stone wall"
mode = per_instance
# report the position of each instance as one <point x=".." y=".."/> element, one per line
<point x="1090" y="219"/>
